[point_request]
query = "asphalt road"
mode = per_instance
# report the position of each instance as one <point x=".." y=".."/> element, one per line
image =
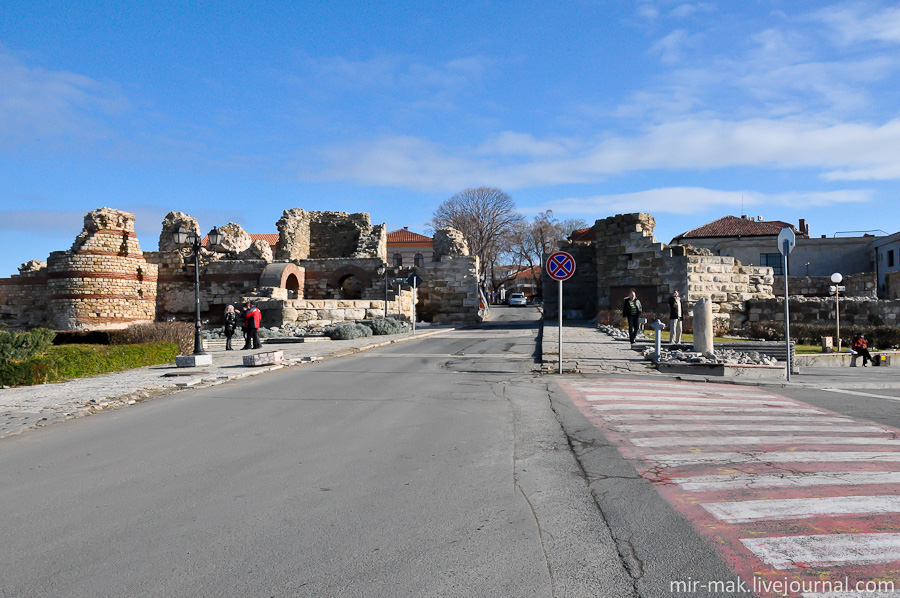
<point x="430" y="468"/>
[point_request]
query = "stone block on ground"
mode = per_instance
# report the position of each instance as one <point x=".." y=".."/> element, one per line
<point x="190" y="361"/>
<point x="266" y="358"/>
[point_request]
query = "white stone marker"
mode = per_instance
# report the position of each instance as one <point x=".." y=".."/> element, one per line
<point x="267" y="358"/>
<point x="703" y="327"/>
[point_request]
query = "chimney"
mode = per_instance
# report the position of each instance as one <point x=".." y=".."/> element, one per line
<point x="405" y="228"/>
<point x="804" y="228"/>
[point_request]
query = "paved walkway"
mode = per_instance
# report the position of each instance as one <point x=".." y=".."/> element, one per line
<point x="35" y="406"/>
<point x="586" y="350"/>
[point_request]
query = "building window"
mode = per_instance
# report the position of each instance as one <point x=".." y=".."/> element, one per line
<point x="419" y="260"/>
<point x="890" y="259"/>
<point x="398" y="260"/>
<point x="774" y="261"/>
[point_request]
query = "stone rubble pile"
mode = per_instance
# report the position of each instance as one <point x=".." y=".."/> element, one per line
<point x="616" y="333"/>
<point x="726" y="356"/>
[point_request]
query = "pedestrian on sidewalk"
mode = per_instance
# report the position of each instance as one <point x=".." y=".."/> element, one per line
<point x="230" y="325"/>
<point x="631" y="310"/>
<point x="676" y="317"/>
<point x="245" y="308"/>
<point x="860" y="346"/>
<point x="253" y="319"/>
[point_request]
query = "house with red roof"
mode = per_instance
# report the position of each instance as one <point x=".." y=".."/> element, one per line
<point x="408" y="249"/>
<point x="753" y="242"/>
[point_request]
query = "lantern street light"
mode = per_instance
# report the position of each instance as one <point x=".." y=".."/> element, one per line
<point x="836" y="278"/>
<point x="184" y="236"/>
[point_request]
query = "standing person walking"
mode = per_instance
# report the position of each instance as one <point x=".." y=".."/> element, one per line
<point x="253" y="319"/>
<point x="676" y="318"/>
<point x="230" y="325"/>
<point x="631" y="310"/>
<point x="244" y="329"/>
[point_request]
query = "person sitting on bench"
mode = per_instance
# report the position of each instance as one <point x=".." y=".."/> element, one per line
<point x="860" y="346"/>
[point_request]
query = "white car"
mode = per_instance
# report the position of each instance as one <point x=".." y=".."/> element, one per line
<point x="517" y="299"/>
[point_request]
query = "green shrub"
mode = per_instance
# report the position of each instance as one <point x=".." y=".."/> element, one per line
<point x="64" y="362"/>
<point x="345" y="332"/>
<point x="19" y="346"/>
<point x="180" y="333"/>
<point x="387" y="326"/>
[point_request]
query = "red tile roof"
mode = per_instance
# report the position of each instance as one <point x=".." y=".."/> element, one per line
<point x="732" y="226"/>
<point x="584" y="235"/>
<point x="270" y="238"/>
<point x="406" y="236"/>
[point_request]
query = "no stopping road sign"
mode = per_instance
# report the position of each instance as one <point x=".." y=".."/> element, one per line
<point x="560" y="266"/>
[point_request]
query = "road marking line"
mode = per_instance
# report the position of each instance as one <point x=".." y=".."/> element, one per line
<point x="826" y="550"/>
<point x="743" y="428"/>
<point x="745" y="511"/>
<point x="649" y="399"/>
<point x="682" y="459"/>
<point x="642" y="417"/>
<point x="679" y="388"/>
<point x="654" y="407"/>
<point x="861" y="394"/>
<point x="663" y="441"/>
<point x="788" y="480"/>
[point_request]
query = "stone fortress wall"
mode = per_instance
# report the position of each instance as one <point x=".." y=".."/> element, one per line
<point x="620" y="253"/>
<point x="323" y="271"/>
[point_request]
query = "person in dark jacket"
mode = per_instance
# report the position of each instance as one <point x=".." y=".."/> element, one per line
<point x="246" y="331"/>
<point x="676" y="316"/>
<point x="230" y="325"/>
<point x="631" y="311"/>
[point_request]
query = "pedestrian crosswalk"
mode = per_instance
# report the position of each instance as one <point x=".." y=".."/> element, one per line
<point x="793" y="491"/>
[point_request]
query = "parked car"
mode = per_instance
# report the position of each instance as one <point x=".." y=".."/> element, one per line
<point x="517" y="299"/>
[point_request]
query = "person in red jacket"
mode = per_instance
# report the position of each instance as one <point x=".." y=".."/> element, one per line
<point x="861" y="347"/>
<point x="252" y="320"/>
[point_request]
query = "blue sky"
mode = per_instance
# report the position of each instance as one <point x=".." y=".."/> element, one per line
<point x="236" y="111"/>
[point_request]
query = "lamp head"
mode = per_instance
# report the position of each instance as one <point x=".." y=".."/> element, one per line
<point x="836" y="277"/>
<point x="214" y="236"/>
<point x="181" y="236"/>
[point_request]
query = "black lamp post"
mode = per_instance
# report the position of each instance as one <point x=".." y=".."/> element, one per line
<point x="184" y="236"/>
<point x="382" y="270"/>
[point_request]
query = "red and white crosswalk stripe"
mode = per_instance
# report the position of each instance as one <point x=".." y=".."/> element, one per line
<point x="788" y="490"/>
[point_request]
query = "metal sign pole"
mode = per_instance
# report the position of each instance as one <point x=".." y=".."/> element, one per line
<point x="787" y="317"/>
<point x="415" y="295"/>
<point x="560" y="327"/>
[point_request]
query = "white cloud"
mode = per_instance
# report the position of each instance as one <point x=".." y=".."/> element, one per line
<point x="39" y="106"/>
<point x="693" y="200"/>
<point x="671" y="47"/>
<point x="861" y="22"/>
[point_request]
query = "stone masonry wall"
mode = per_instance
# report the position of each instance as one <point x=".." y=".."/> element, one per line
<point x="23" y="299"/>
<point x="326" y="312"/>
<point x="104" y="282"/>
<point x="449" y="293"/>
<point x="858" y="285"/>
<point x="812" y="310"/>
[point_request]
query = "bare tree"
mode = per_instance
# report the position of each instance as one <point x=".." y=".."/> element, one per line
<point x="484" y="216"/>
<point x="530" y="243"/>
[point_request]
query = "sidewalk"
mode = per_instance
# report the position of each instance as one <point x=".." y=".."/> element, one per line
<point x="586" y="350"/>
<point x="36" y="406"/>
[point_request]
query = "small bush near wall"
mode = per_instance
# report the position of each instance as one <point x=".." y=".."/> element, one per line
<point x="345" y="332"/>
<point x="387" y="326"/>
<point x="19" y="346"/>
<point x="65" y="362"/>
<point x="881" y="337"/>
<point x="180" y="333"/>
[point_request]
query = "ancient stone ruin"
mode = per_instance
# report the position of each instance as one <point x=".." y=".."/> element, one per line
<point x="323" y="271"/>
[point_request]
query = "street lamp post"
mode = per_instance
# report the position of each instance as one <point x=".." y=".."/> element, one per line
<point x="382" y="270"/>
<point x="836" y="278"/>
<point x="182" y="237"/>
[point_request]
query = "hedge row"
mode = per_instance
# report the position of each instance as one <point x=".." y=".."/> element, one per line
<point x="64" y="362"/>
